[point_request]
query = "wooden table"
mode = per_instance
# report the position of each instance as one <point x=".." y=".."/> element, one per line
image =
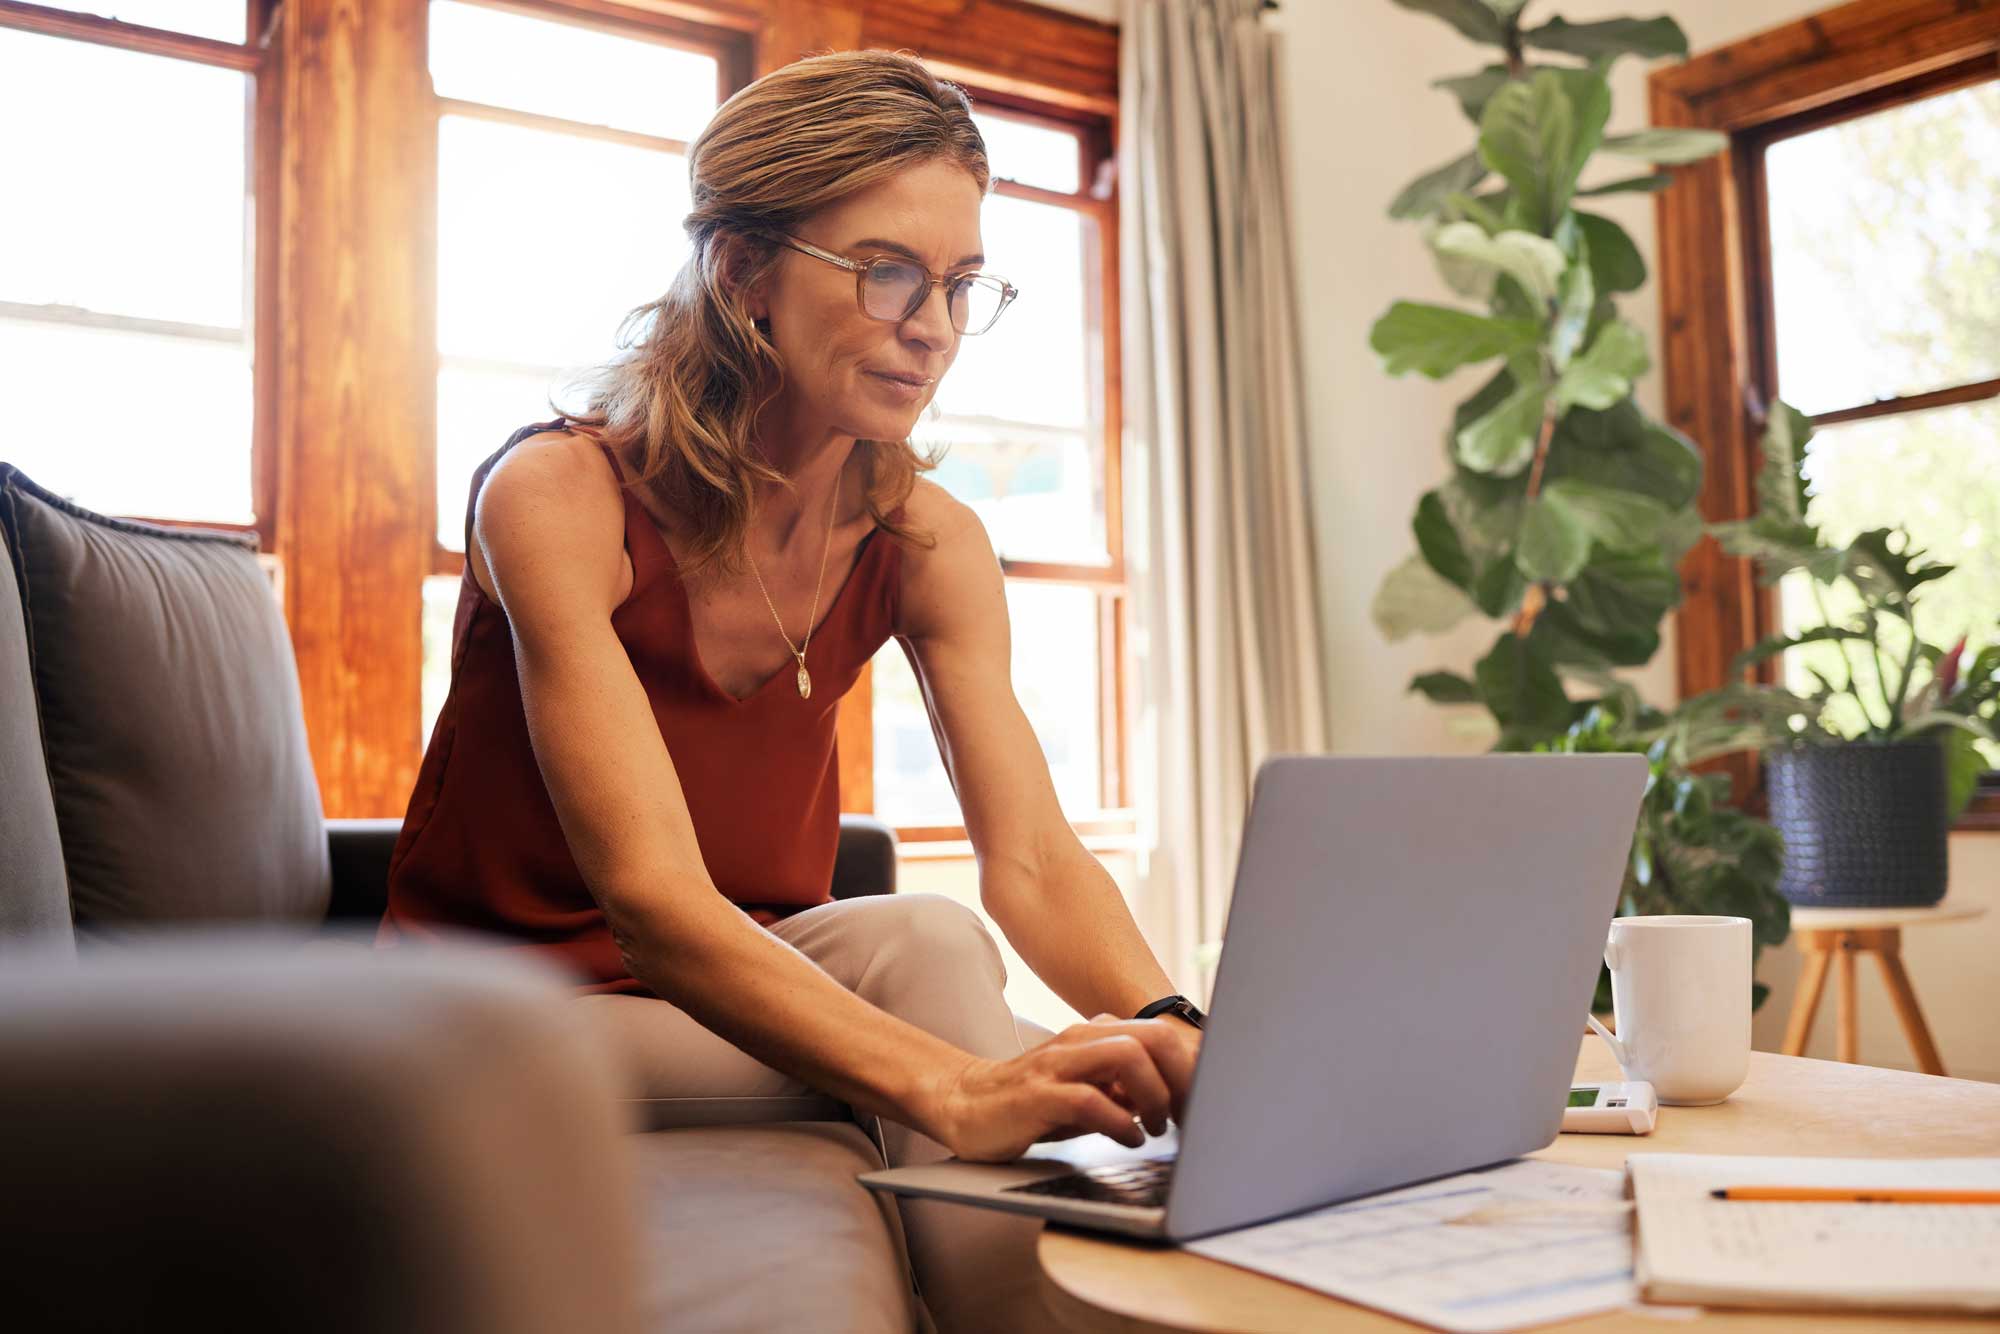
<point x="1787" y="1106"/>
<point x="1829" y="934"/>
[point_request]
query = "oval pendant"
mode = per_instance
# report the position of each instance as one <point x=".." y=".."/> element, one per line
<point x="805" y="683"/>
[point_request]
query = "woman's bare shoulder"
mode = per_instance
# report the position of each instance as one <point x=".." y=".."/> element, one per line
<point x="553" y="494"/>
<point x="932" y="509"/>
<point x="955" y="578"/>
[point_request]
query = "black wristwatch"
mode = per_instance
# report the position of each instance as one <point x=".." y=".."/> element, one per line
<point x="1178" y="1006"/>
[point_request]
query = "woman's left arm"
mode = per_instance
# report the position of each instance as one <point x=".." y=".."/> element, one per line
<point x="1057" y="905"/>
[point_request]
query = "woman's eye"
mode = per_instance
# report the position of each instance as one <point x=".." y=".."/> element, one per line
<point x="890" y="273"/>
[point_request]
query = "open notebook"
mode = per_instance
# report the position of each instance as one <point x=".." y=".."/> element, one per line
<point x="1694" y="1248"/>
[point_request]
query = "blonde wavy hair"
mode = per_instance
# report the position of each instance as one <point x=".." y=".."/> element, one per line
<point x="694" y="369"/>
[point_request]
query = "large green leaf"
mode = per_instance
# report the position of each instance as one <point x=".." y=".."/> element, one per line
<point x="1437" y="340"/>
<point x="1652" y="183"/>
<point x="1497" y="588"/>
<point x="1414" y="599"/>
<point x="1576" y="302"/>
<point x="1888" y="574"/>
<point x="1533" y="261"/>
<point x="1438" y="539"/>
<point x="1568" y="642"/>
<point x="1474" y="90"/>
<point x="1772" y="645"/>
<point x="1503" y="441"/>
<point x="1521" y="687"/>
<point x="1779" y="546"/>
<point x="1421" y="197"/>
<point x="1446" y="688"/>
<point x="1554" y="545"/>
<point x="1471" y="17"/>
<point x="1671" y="147"/>
<point x="1781" y="481"/>
<point x="1964" y="762"/>
<point x="1622" y="592"/>
<point x="1610" y="37"/>
<point x="1620" y="447"/>
<point x="1615" y="263"/>
<point x="1622" y="520"/>
<point x="1605" y="371"/>
<point x="1539" y="132"/>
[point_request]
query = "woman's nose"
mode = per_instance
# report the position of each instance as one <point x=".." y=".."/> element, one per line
<point x="931" y="323"/>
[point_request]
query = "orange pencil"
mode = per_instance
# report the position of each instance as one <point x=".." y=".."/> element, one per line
<point x="1858" y="1195"/>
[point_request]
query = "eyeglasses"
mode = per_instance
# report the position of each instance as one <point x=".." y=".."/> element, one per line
<point x="893" y="289"/>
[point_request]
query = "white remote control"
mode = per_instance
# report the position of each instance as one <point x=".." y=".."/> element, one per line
<point x="1611" y="1109"/>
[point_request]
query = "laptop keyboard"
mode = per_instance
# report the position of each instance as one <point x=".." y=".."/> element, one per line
<point x="1142" y="1185"/>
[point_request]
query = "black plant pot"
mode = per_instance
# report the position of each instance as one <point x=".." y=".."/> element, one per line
<point x="1864" y="825"/>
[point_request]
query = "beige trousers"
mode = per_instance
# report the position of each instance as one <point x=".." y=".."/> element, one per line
<point x="927" y="960"/>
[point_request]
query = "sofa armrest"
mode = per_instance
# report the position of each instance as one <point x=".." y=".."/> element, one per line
<point x="359" y="851"/>
<point x="222" y="1130"/>
<point x="866" y="861"/>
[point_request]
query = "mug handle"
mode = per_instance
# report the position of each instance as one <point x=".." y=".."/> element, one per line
<point x="1617" y="1047"/>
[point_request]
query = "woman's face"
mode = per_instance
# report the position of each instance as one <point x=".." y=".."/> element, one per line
<point x="845" y="372"/>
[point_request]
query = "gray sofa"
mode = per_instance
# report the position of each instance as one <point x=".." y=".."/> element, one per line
<point x="220" y="1109"/>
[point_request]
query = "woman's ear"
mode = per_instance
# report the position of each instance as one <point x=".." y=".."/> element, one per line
<point x="739" y="258"/>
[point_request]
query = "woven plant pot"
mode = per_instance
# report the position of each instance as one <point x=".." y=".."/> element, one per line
<point x="1864" y="825"/>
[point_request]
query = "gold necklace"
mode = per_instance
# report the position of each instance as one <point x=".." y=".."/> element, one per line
<point x="799" y="650"/>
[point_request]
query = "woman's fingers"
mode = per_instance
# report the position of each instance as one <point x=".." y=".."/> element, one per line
<point x="1123" y="1061"/>
<point x="1169" y="1050"/>
<point x="1084" y="1109"/>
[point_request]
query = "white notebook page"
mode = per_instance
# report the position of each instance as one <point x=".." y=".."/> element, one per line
<point x="1694" y="1247"/>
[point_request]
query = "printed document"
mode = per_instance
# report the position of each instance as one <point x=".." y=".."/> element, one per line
<point x="1525" y="1243"/>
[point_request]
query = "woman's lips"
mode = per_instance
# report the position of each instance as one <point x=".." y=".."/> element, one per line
<point x="905" y="388"/>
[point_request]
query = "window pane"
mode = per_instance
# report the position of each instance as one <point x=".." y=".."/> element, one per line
<point x="1885" y="252"/>
<point x="561" y="69"/>
<point x="1020" y="150"/>
<point x="129" y="423"/>
<point x="221" y="19"/>
<point x="1055" y="671"/>
<point x="440" y="604"/>
<point x="1023" y="427"/>
<point x="1038" y="491"/>
<point x="1031" y="366"/>
<point x="1936" y="473"/>
<point x="137" y="168"/>
<point x="526" y="280"/>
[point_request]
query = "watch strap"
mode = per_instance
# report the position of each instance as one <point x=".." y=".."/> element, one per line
<point x="1177" y="1005"/>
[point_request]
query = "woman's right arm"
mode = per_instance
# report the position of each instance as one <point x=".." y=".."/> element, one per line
<point x="550" y="522"/>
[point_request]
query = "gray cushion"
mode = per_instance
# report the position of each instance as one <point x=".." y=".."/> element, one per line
<point x="34" y="900"/>
<point x="171" y="721"/>
<point x="758" y="1228"/>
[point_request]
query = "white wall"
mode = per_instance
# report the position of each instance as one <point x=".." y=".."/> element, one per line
<point x="1361" y="120"/>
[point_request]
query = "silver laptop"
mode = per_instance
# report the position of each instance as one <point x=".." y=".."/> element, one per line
<point x="1410" y="952"/>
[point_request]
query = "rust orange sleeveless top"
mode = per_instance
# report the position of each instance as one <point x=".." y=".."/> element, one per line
<point x="481" y="847"/>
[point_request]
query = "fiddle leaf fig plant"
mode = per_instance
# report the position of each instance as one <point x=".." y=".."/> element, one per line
<point x="1566" y="509"/>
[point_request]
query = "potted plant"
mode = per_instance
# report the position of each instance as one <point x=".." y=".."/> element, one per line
<point x="1567" y="509"/>
<point x="1864" y="812"/>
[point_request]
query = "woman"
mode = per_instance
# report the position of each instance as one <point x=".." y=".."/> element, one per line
<point x="635" y="767"/>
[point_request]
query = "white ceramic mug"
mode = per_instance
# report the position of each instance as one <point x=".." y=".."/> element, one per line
<point x="1680" y="988"/>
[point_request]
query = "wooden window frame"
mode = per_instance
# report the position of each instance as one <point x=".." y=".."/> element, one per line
<point x="343" y="468"/>
<point x="1718" y="356"/>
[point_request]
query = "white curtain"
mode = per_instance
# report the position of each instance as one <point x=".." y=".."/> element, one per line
<point x="1227" y="641"/>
